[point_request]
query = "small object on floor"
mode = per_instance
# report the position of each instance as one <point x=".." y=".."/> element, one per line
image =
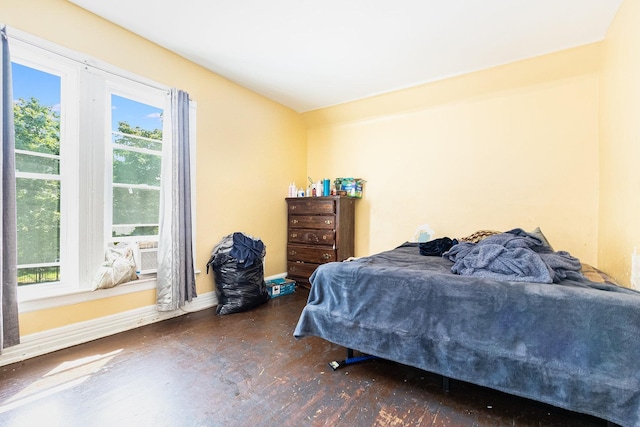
<point x="279" y="287"/>
<point x="350" y="360"/>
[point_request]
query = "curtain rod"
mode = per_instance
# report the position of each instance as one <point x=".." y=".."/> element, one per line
<point x="74" y="56"/>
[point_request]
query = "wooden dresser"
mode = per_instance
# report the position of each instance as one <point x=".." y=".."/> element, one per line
<point x="320" y="230"/>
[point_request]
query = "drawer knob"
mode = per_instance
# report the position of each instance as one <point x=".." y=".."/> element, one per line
<point x="326" y="256"/>
<point x="328" y="222"/>
<point x="292" y="252"/>
<point x="324" y="237"/>
<point x="294" y="235"/>
<point x="294" y="221"/>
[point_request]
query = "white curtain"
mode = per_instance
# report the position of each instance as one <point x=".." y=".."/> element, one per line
<point x="9" y="332"/>
<point x="176" y="277"/>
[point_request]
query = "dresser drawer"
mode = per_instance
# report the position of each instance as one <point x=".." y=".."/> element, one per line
<point x="311" y="205"/>
<point x="312" y="221"/>
<point x="310" y="254"/>
<point x="301" y="269"/>
<point x="313" y="237"/>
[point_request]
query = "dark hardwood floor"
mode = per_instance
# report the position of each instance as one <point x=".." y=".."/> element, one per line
<point x="244" y="369"/>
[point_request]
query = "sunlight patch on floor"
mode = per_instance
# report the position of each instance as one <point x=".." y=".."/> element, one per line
<point x="65" y="376"/>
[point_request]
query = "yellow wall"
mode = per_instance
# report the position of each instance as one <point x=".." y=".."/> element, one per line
<point x="619" y="228"/>
<point x="512" y="146"/>
<point x="248" y="147"/>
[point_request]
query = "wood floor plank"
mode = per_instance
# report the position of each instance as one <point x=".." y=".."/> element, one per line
<point x="244" y="369"/>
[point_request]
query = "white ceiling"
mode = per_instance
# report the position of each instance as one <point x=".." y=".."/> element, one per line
<point x="309" y="54"/>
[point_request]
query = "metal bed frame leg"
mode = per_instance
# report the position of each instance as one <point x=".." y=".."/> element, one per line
<point x="336" y="364"/>
<point x="350" y="360"/>
<point x="446" y="384"/>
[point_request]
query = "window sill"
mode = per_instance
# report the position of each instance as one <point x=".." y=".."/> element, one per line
<point x="144" y="283"/>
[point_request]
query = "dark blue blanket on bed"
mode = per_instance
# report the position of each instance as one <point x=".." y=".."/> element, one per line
<point x="515" y="256"/>
<point x="573" y="344"/>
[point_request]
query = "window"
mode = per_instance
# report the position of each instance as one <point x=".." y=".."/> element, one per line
<point x="46" y="155"/>
<point x="136" y="132"/>
<point x="88" y="160"/>
<point x="135" y="138"/>
<point x="38" y="184"/>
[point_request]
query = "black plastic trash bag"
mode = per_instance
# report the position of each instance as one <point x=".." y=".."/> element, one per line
<point x="238" y="270"/>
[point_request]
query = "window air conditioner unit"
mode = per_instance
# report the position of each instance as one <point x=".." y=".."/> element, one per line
<point x="145" y="256"/>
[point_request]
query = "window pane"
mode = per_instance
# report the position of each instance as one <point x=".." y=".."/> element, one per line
<point x="135" y="206"/>
<point x="137" y="142"/>
<point x="36" y="109"/>
<point x="131" y="167"/>
<point x="37" y="164"/>
<point x="135" y="118"/>
<point x="134" y="230"/>
<point x="38" y="214"/>
<point x="33" y="275"/>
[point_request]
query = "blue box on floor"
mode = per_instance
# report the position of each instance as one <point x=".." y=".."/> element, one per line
<point x="279" y="287"/>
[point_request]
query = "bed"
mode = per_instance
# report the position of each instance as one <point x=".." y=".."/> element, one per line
<point x="573" y="343"/>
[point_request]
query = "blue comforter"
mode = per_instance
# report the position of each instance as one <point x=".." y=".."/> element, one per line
<point x="573" y="344"/>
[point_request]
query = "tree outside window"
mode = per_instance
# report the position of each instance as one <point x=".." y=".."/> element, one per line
<point x="37" y="129"/>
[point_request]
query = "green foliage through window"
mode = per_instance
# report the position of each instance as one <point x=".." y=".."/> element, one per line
<point x="137" y="165"/>
<point x="37" y="130"/>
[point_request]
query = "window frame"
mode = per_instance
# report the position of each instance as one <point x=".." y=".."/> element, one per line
<point x="31" y="56"/>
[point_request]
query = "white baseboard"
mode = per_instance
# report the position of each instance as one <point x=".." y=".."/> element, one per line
<point x="66" y="336"/>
